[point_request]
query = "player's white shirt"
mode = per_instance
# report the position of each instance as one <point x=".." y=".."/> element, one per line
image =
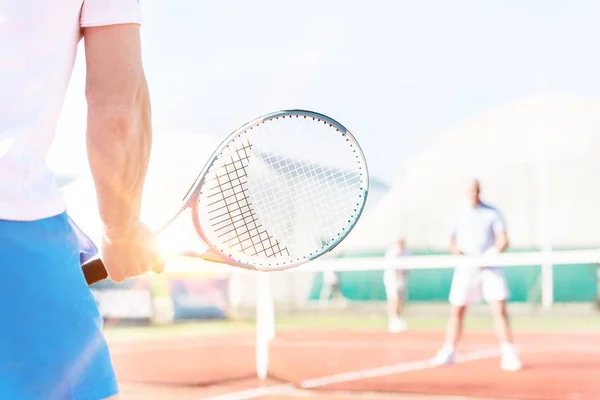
<point x="38" y="46"/>
<point x="394" y="276"/>
<point x="475" y="228"/>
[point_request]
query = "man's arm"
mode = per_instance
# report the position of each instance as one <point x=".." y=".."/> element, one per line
<point x="501" y="236"/>
<point x="119" y="131"/>
<point x="453" y="228"/>
<point x="453" y="248"/>
<point x="119" y="137"/>
<point x="501" y="241"/>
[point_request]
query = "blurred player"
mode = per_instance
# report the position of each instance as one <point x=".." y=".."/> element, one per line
<point x="394" y="281"/>
<point x="330" y="291"/>
<point x="478" y="229"/>
<point x="52" y="345"/>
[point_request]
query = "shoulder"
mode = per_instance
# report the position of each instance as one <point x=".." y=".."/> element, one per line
<point x="493" y="215"/>
<point x="490" y="209"/>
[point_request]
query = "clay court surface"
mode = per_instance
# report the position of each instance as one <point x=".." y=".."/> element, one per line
<point x="355" y="364"/>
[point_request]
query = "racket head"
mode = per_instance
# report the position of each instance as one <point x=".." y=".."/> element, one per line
<point x="280" y="191"/>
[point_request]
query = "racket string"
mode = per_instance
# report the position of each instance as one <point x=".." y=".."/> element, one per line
<point x="242" y="219"/>
<point x="303" y="173"/>
<point x="319" y="176"/>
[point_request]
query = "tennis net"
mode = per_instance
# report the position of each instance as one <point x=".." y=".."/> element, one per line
<point x="293" y="300"/>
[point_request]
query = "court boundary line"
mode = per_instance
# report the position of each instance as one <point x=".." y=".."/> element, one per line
<point x="364" y="373"/>
<point x="342" y="345"/>
<point x="253" y="393"/>
<point x="347" y="344"/>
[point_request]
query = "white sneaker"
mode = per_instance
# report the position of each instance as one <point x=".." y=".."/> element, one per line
<point x="446" y="356"/>
<point x="341" y="302"/>
<point x="510" y="359"/>
<point x="323" y="304"/>
<point x="397" y="325"/>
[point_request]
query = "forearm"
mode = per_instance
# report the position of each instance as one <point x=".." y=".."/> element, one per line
<point x="454" y="248"/>
<point x="501" y="242"/>
<point x="119" y="139"/>
<point x="501" y="245"/>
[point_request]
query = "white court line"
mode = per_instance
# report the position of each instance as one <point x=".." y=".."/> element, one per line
<point x="252" y="393"/>
<point x="142" y="347"/>
<point x="406" y="345"/>
<point x="121" y="349"/>
<point x="393" y="369"/>
<point x="352" y="376"/>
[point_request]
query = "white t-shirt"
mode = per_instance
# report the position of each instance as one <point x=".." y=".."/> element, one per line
<point x="475" y="228"/>
<point x="395" y="276"/>
<point x="38" y="46"/>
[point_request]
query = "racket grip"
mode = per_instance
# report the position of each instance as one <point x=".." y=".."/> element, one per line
<point x="94" y="271"/>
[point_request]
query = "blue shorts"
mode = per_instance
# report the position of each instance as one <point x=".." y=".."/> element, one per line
<point x="51" y="340"/>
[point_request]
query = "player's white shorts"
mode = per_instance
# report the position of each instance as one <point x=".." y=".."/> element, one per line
<point x="330" y="278"/>
<point x="470" y="285"/>
<point x="395" y="284"/>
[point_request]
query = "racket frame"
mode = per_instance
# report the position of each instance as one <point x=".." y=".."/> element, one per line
<point x="192" y="197"/>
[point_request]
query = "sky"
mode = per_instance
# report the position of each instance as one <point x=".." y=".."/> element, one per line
<point x="396" y="73"/>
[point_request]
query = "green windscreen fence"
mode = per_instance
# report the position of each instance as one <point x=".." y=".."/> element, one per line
<point x="572" y="283"/>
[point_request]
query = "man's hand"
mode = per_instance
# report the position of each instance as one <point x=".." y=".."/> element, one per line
<point x="131" y="253"/>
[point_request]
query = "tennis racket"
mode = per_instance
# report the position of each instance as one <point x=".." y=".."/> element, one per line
<point x="278" y="192"/>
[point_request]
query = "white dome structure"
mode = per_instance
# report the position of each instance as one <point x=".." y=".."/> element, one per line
<point x="537" y="160"/>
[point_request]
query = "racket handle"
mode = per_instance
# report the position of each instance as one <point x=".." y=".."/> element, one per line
<point x="94" y="271"/>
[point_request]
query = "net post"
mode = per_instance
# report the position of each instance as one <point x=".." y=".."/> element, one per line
<point x="547" y="285"/>
<point x="545" y="231"/>
<point x="545" y="218"/>
<point x="265" y="323"/>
